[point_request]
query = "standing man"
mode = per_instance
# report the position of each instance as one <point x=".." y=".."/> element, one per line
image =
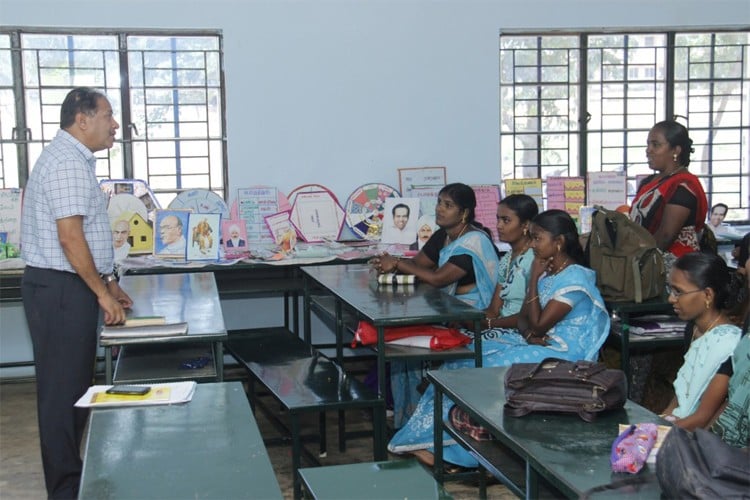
<point x="66" y="241"/>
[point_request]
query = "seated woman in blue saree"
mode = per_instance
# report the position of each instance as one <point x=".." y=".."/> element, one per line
<point x="460" y="258"/>
<point x="563" y="316"/>
<point x="514" y="215"/>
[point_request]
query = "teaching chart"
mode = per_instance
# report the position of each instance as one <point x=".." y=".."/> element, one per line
<point x="488" y="196"/>
<point x="424" y="183"/>
<point x="608" y="189"/>
<point x="531" y="187"/>
<point x="254" y="204"/>
<point x="566" y="193"/>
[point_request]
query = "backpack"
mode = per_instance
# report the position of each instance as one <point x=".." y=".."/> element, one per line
<point x="628" y="265"/>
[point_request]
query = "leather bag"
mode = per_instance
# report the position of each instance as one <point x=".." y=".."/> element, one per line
<point x="585" y="388"/>
<point x="700" y="465"/>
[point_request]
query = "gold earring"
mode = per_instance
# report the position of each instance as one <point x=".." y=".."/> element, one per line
<point x="708" y="303"/>
<point x="674" y="157"/>
<point x="525" y="231"/>
<point x="558" y="248"/>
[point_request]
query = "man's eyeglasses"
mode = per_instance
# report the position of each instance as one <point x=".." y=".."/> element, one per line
<point x="677" y="294"/>
<point x="165" y="228"/>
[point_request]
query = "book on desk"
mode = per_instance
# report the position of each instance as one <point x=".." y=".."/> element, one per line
<point x="144" y="331"/>
<point x="159" y="394"/>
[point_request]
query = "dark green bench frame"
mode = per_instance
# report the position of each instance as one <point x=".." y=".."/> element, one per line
<point x="303" y="381"/>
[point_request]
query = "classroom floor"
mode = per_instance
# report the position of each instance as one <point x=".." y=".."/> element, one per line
<point x="21" y="471"/>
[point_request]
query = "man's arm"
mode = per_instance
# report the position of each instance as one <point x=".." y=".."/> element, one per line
<point x="76" y="249"/>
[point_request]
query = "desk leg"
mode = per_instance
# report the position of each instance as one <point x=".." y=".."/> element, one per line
<point x="438" y="436"/>
<point x="381" y="363"/>
<point x="625" y="348"/>
<point x="219" y="357"/>
<point x="478" y="344"/>
<point x="378" y="433"/>
<point x="532" y="482"/>
<point x="296" y="451"/>
<point x="108" y="364"/>
<point x="295" y="313"/>
<point x="286" y="312"/>
<point x="307" y="325"/>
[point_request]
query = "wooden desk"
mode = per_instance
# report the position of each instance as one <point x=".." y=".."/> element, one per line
<point x="385" y="305"/>
<point x="207" y="448"/>
<point x="189" y="297"/>
<point x="571" y="454"/>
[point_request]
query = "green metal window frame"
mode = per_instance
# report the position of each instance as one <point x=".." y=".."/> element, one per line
<point x="579" y="102"/>
<point x="166" y="88"/>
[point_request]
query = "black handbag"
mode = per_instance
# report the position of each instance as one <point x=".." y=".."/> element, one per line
<point x="585" y="388"/>
<point x="700" y="465"/>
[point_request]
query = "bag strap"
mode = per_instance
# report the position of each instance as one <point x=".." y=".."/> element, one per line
<point x="634" y="480"/>
<point x="513" y="411"/>
<point x="635" y="267"/>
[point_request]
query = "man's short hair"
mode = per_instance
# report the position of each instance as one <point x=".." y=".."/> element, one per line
<point x="401" y="205"/>
<point x="726" y="208"/>
<point x="79" y="100"/>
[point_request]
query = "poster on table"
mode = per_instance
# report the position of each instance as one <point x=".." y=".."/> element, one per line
<point x="132" y="189"/>
<point x="566" y="193"/>
<point x="234" y="236"/>
<point x="531" y="187"/>
<point x="171" y="233"/>
<point x="365" y="208"/>
<point x="317" y="216"/>
<point x="488" y="196"/>
<point x="283" y="231"/>
<point x="10" y="222"/>
<point x="400" y="217"/>
<point x="606" y="189"/>
<point x="254" y="204"/>
<point x="203" y="229"/>
<point x="424" y="183"/>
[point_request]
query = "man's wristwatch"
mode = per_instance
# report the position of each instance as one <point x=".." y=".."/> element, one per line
<point x="108" y="278"/>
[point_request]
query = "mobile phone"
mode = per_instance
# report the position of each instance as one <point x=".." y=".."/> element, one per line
<point x="129" y="390"/>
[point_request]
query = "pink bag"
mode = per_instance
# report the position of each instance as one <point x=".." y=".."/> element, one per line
<point x="631" y="448"/>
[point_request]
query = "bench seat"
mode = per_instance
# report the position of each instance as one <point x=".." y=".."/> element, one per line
<point x="303" y="380"/>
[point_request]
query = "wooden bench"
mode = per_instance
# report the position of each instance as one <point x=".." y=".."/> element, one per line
<point x="397" y="480"/>
<point x="303" y="381"/>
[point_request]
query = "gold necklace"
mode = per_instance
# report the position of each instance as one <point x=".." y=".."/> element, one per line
<point x="562" y="266"/>
<point x="711" y="325"/>
<point x="450" y="238"/>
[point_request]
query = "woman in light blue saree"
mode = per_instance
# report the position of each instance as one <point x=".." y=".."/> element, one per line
<point x="460" y="258"/>
<point x="562" y="316"/>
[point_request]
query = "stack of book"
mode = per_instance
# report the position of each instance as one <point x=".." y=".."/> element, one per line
<point x="657" y="325"/>
<point x="144" y="326"/>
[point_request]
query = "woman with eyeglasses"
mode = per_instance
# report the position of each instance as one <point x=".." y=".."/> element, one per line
<point x="701" y="291"/>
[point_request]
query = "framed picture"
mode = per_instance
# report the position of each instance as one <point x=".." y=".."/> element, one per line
<point x="203" y="230"/>
<point x="400" y="220"/>
<point x="170" y="233"/>
<point x="282" y="229"/>
<point x="234" y="236"/>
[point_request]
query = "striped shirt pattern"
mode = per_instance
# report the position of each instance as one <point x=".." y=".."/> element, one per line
<point x="63" y="184"/>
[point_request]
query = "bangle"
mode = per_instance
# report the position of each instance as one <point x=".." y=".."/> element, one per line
<point x="489" y="322"/>
<point x="395" y="264"/>
<point x="532" y="299"/>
